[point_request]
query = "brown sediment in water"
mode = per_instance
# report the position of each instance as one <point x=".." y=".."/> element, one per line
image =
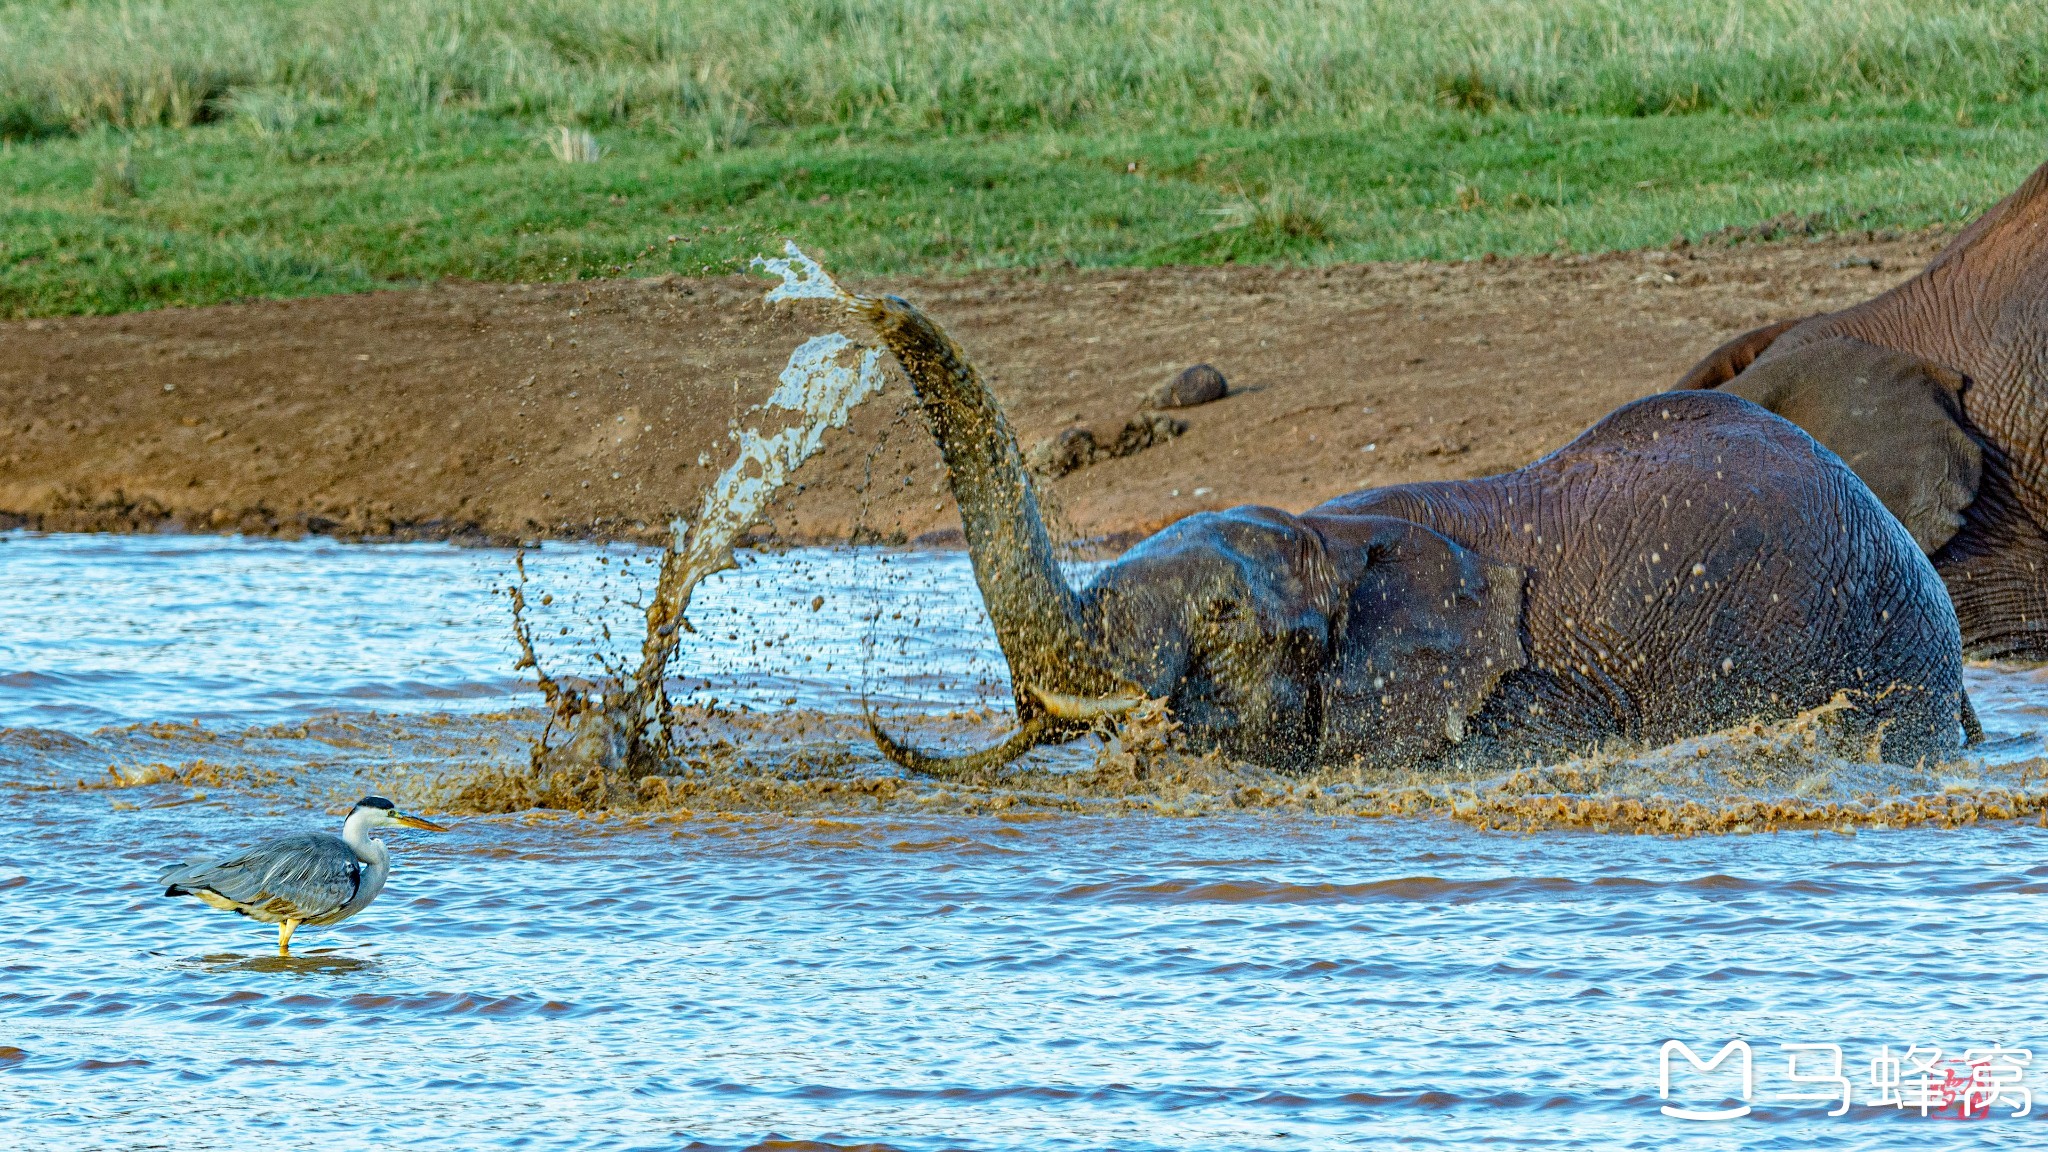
<point x="327" y="761"/>
<point x="615" y="728"/>
<point x="503" y="412"/>
<point x="190" y="774"/>
<point x="1804" y="773"/>
<point x="1799" y="775"/>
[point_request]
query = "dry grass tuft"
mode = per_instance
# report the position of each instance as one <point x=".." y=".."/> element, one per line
<point x="574" y="145"/>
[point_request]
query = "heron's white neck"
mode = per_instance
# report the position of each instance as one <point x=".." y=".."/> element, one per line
<point x="356" y="834"/>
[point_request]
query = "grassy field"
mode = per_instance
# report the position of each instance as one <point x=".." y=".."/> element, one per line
<point x="203" y="150"/>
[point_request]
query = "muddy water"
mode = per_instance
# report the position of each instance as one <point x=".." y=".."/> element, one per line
<point x="922" y="974"/>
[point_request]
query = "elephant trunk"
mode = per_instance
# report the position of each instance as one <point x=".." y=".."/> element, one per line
<point x="1051" y="650"/>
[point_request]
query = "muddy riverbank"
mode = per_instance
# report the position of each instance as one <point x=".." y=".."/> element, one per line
<point x="496" y="412"/>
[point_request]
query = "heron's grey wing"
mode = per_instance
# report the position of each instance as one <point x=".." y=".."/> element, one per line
<point x="300" y="876"/>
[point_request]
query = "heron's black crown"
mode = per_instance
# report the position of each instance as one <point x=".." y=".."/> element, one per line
<point x="376" y="802"/>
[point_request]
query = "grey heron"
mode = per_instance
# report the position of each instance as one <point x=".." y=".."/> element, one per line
<point x="309" y="878"/>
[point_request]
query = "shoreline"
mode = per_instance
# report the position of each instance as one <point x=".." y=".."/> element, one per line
<point x="497" y="414"/>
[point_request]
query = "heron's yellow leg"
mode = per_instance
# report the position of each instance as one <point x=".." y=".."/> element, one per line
<point x="284" y="937"/>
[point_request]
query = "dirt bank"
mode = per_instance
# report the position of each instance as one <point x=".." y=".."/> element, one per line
<point x="501" y="412"/>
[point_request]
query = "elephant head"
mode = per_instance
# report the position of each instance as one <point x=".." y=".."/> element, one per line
<point x="1231" y="616"/>
<point x="1246" y="621"/>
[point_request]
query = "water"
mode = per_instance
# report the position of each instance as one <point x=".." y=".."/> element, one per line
<point x="922" y="979"/>
<point x="117" y="629"/>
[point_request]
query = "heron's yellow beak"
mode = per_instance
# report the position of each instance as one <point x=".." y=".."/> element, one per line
<point x="411" y="821"/>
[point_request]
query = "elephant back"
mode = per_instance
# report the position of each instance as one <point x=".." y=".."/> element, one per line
<point x="1694" y="561"/>
<point x="1979" y="308"/>
<point x="1757" y="573"/>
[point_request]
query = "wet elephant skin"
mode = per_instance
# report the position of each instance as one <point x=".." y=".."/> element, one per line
<point x="1689" y="562"/>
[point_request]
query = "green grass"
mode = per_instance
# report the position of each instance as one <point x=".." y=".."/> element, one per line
<point x="713" y="69"/>
<point x="192" y="152"/>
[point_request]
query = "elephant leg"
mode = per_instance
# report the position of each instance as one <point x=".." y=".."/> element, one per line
<point x="1996" y="570"/>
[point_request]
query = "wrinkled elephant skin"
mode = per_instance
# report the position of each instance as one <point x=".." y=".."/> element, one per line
<point x="1936" y="393"/>
<point x="1689" y="562"/>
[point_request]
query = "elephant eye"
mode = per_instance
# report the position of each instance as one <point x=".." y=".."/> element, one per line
<point x="1222" y="611"/>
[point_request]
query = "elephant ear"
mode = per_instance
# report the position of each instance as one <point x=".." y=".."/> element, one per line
<point x="1726" y="362"/>
<point x="1429" y="630"/>
<point x="1893" y="417"/>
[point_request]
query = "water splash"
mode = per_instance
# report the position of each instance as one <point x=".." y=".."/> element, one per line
<point x="621" y="726"/>
<point x="802" y="277"/>
<point x="819" y="385"/>
<point x="1810" y="773"/>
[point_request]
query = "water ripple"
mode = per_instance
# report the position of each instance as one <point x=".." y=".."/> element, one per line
<point x="909" y="980"/>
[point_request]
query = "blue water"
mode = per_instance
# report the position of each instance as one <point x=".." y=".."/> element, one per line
<point x="118" y="629"/>
<point x="921" y="980"/>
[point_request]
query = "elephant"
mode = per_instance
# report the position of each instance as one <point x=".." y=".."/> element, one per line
<point x="1936" y="393"/>
<point x="1689" y="562"/>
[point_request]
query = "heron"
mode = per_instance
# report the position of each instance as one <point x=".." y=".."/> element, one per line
<point x="309" y="878"/>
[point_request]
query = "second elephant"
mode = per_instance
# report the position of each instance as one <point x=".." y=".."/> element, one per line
<point x="1936" y="393"/>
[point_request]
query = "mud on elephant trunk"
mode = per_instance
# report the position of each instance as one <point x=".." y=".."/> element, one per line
<point x="1063" y="680"/>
